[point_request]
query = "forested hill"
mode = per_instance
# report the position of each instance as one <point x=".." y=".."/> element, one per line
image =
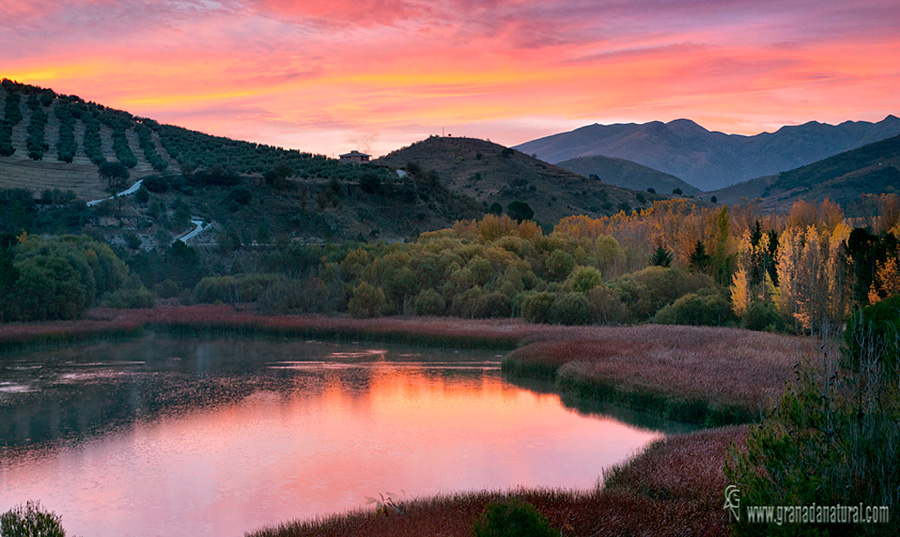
<point x="53" y="148"/>
<point x="49" y="140"/>
<point x="845" y="178"/>
<point x="628" y="174"/>
<point x="491" y="173"/>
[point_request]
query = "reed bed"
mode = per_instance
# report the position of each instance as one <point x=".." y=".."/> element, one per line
<point x="696" y="374"/>
<point x="673" y="488"/>
<point x="432" y="331"/>
<point x="19" y="336"/>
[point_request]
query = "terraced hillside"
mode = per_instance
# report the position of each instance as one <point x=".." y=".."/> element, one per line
<point x="58" y="166"/>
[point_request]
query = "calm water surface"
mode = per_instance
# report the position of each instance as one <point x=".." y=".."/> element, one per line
<point x="176" y="436"/>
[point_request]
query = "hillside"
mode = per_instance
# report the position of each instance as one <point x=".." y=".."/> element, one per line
<point x="843" y="178"/>
<point x="51" y="147"/>
<point x="491" y="173"/>
<point x="711" y="160"/>
<point x="627" y="174"/>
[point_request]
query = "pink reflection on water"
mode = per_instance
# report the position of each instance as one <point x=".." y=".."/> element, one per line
<point x="277" y="456"/>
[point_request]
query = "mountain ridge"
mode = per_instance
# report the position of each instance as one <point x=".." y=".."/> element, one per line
<point x="711" y="160"/>
<point x="845" y="178"/>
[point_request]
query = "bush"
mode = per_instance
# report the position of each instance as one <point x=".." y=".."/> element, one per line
<point x="132" y="240"/>
<point x="536" y="307"/>
<point x="762" y="315"/>
<point x="583" y="279"/>
<point x="881" y="324"/>
<point x="493" y="305"/>
<point x="157" y="185"/>
<point x="697" y="309"/>
<point x="572" y="308"/>
<point x="232" y="289"/>
<point x="648" y="290"/>
<point x="429" y="302"/>
<point x="608" y="307"/>
<point x="831" y="439"/>
<point x="129" y="299"/>
<point x="559" y="265"/>
<point x="166" y="289"/>
<point x="30" y="521"/>
<point x="240" y="194"/>
<point x="512" y="518"/>
<point x="367" y="301"/>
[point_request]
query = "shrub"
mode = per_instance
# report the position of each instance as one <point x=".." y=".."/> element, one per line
<point x="429" y="302"/>
<point x="559" y="264"/>
<point x="494" y="304"/>
<point x="129" y="298"/>
<point x="166" y="289"/>
<point x="312" y="295"/>
<point x="31" y="520"/>
<point x="648" y="290"/>
<point x="240" y="194"/>
<point x="831" y="439"/>
<point x="762" y="315"/>
<point x="572" y="308"/>
<point x="367" y="301"/>
<point x="536" y="307"/>
<point x="157" y="185"/>
<point x="709" y="309"/>
<point x="583" y="279"/>
<point x="881" y="324"/>
<point x="132" y="240"/>
<point x="512" y="518"/>
<point x="608" y="307"/>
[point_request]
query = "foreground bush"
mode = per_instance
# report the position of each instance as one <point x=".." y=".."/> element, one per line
<point x="512" y="518"/>
<point x="831" y="440"/>
<point x="30" y="520"/>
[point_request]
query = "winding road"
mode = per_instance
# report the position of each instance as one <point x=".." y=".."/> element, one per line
<point x="184" y="237"/>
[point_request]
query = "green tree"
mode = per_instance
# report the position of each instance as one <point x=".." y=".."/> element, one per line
<point x="367" y="301"/>
<point x="519" y="211"/>
<point x="661" y="257"/>
<point x="115" y="174"/>
<point x="559" y="264"/>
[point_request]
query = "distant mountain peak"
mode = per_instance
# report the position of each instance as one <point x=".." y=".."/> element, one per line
<point x="711" y="160"/>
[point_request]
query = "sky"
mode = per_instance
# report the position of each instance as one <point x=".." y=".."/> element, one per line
<point x="334" y="75"/>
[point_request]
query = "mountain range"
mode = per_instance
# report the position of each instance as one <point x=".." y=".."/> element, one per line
<point x="842" y="178"/>
<point x="711" y="160"/>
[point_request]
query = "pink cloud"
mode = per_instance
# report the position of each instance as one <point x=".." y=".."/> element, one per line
<point x="298" y="73"/>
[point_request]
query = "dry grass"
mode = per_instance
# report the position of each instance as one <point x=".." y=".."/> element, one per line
<point x="704" y="374"/>
<point x="674" y="488"/>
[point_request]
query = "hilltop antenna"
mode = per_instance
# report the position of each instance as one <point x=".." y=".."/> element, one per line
<point x="442" y="132"/>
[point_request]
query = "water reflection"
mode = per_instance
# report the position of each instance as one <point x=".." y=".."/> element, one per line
<point x="178" y="436"/>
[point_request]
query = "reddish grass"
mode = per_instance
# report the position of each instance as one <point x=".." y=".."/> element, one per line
<point x="15" y="336"/>
<point x="490" y="333"/>
<point x="736" y="371"/>
<point x="673" y="488"/>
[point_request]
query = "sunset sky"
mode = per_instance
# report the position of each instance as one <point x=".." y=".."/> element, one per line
<point x="334" y="75"/>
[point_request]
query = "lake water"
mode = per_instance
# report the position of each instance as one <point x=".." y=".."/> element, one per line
<point x="178" y="436"/>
